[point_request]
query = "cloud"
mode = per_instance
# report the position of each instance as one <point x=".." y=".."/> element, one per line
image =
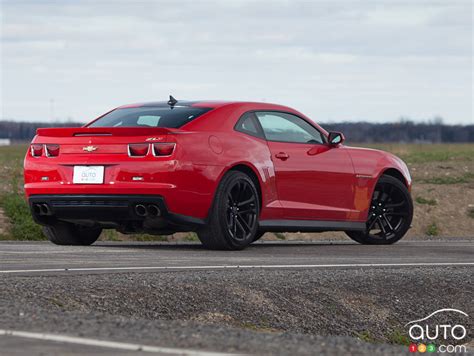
<point x="337" y="60"/>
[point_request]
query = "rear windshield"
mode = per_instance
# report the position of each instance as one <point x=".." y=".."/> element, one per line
<point x="150" y="117"/>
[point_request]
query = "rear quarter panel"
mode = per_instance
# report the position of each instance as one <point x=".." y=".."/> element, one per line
<point x="228" y="148"/>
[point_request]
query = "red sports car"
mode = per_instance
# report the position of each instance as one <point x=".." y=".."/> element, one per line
<point x="229" y="171"/>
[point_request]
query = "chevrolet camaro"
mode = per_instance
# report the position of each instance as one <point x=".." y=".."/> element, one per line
<point x="230" y="171"/>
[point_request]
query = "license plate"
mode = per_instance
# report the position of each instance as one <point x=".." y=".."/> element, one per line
<point x="88" y="175"/>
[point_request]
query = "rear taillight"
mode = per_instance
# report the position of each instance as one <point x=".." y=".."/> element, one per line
<point x="36" y="150"/>
<point x="138" y="149"/>
<point x="52" y="150"/>
<point x="163" y="149"/>
<point x="158" y="149"/>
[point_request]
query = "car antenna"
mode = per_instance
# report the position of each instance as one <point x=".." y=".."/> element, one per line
<point x="172" y="102"/>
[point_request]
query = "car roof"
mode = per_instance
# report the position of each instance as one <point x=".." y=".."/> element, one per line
<point x="196" y="103"/>
<point x="213" y="104"/>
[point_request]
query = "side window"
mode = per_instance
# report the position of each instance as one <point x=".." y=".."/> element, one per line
<point x="248" y="124"/>
<point x="284" y="127"/>
<point x="148" y="120"/>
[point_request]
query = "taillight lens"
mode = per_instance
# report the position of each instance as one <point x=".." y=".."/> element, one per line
<point x="138" y="149"/>
<point x="163" y="149"/>
<point x="52" y="150"/>
<point x="36" y="150"/>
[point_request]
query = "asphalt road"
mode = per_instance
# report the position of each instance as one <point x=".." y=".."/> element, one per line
<point x="39" y="257"/>
<point x="272" y="298"/>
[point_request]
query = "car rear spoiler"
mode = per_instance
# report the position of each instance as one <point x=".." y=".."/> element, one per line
<point x="105" y="131"/>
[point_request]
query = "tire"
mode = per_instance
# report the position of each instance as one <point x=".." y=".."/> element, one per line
<point x="233" y="218"/>
<point x="390" y="214"/>
<point x="70" y="234"/>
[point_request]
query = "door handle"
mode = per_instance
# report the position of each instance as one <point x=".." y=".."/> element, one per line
<point x="282" y="155"/>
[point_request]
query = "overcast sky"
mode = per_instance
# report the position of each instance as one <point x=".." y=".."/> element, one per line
<point x="333" y="60"/>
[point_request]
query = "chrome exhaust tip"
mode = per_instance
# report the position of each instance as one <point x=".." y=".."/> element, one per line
<point x="153" y="210"/>
<point x="37" y="209"/>
<point x="140" y="210"/>
<point x="44" y="209"/>
<point x="41" y="209"/>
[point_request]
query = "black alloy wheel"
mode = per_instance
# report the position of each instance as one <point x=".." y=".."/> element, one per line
<point x="241" y="210"/>
<point x="233" y="219"/>
<point x="390" y="213"/>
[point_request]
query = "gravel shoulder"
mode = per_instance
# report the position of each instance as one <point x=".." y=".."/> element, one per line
<point x="265" y="311"/>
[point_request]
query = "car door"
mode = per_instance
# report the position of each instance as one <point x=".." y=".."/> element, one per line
<point x="314" y="180"/>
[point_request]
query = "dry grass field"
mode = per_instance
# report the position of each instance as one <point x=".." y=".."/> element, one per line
<point x="443" y="187"/>
<point x="443" y="194"/>
<point x="443" y="190"/>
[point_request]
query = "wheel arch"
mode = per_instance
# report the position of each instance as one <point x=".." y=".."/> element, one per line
<point x="393" y="172"/>
<point x="251" y="172"/>
<point x="247" y="169"/>
<point x="389" y="171"/>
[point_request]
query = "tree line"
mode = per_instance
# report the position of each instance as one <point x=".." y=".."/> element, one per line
<point x="403" y="131"/>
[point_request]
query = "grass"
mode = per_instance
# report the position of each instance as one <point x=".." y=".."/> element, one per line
<point x="147" y="237"/>
<point x="398" y="337"/>
<point x="112" y="235"/>
<point x="422" y="153"/>
<point x="22" y="225"/>
<point x="421" y="200"/>
<point x="12" y="153"/>
<point x="191" y="237"/>
<point x="465" y="178"/>
<point x="470" y="212"/>
<point x="432" y="229"/>
<point x="11" y="197"/>
<point x="56" y="302"/>
<point x="438" y="154"/>
<point x="279" y="235"/>
<point x="109" y="235"/>
<point x="367" y="337"/>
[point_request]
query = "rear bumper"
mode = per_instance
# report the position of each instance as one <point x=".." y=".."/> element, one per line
<point x="113" y="211"/>
<point x="188" y="190"/>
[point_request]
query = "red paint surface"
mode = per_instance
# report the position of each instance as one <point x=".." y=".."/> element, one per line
<point x="314" y="181"/>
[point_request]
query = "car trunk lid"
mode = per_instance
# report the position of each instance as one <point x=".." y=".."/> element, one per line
<point x="102" y="140"/>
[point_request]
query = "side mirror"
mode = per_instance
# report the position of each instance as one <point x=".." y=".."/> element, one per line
<point x="336" y="138"/>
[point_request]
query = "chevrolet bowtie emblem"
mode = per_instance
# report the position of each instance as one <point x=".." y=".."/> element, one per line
<point x="89" y="148"/>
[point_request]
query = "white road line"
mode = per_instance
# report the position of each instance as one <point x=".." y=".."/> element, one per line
<point x="108" y="344"/>
<point x="220" y="267"/>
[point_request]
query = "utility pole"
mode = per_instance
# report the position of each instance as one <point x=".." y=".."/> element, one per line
<point x="51" y="109"/>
